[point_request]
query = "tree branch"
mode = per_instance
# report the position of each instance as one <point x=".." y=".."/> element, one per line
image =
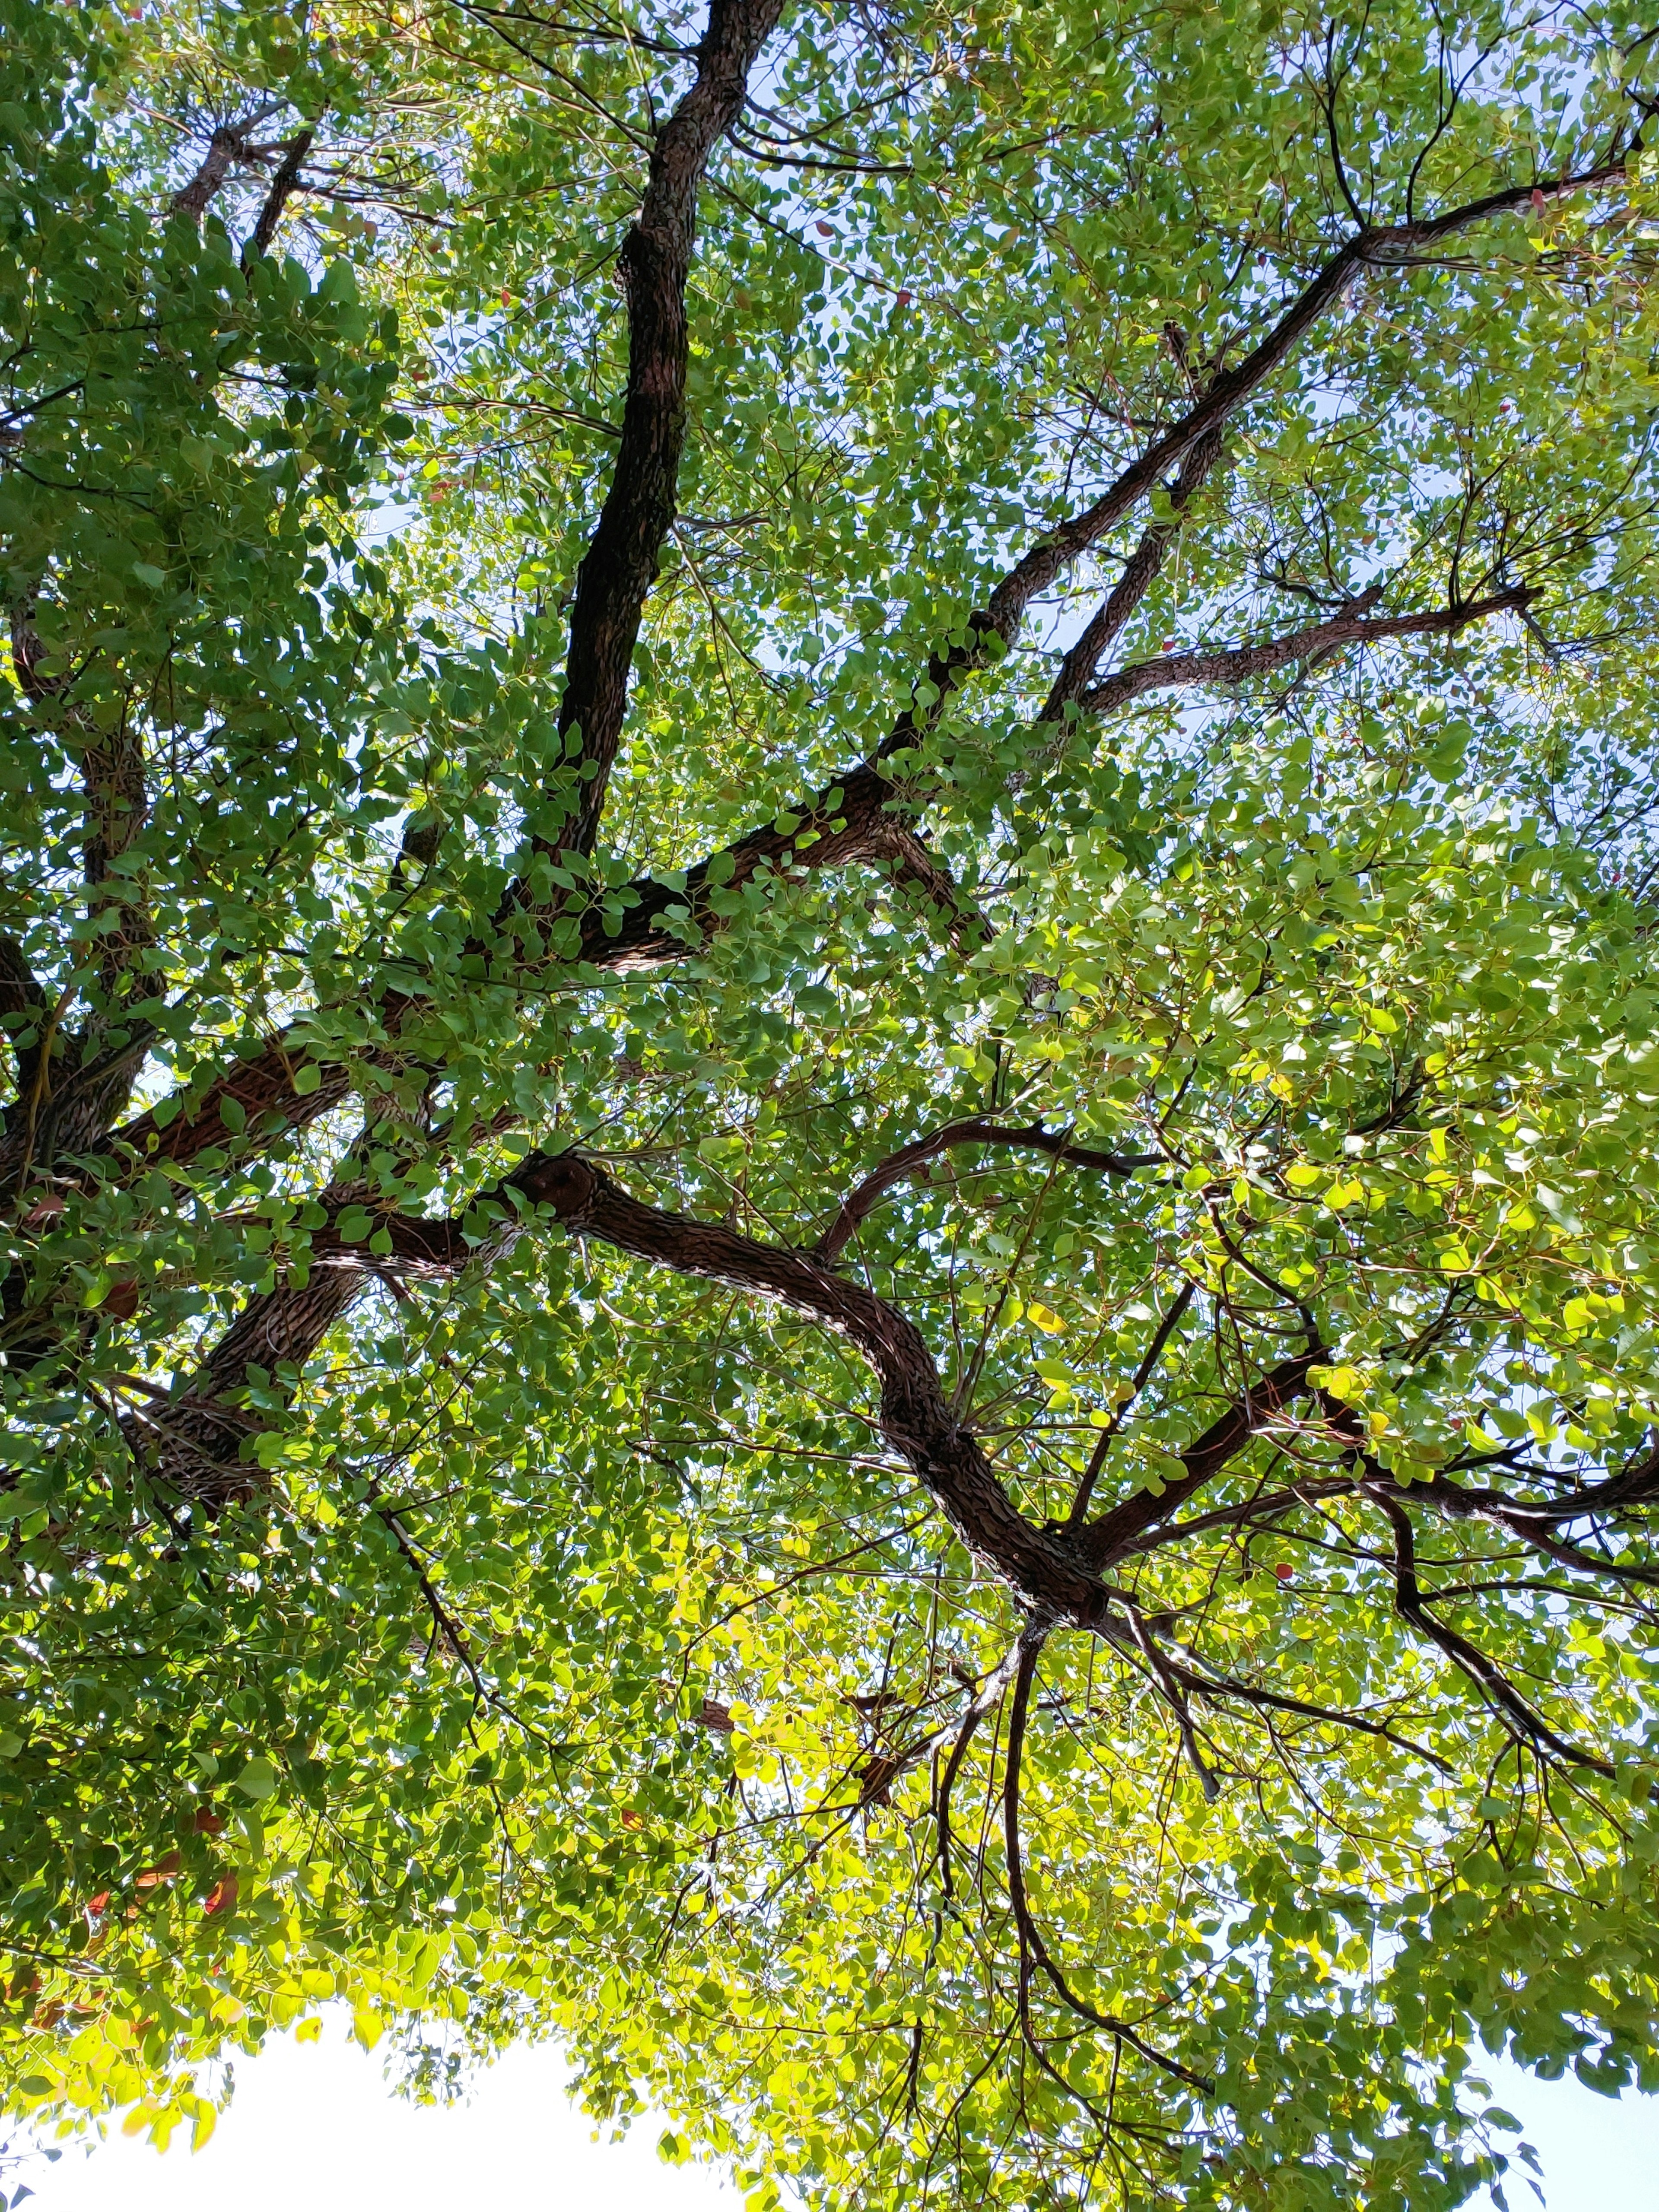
<point x="226" y="146"/>
<point x="863" y="1200"/>
<point x="1370" y="247"/>
<point x="192" y="1444"/>
<point x="1161" y="1336"/>
<point x="1140" y="572"/>
<point x="1527" y="1726"/>
<point x="653" y="923"/>
<point x="1120" y="1532"/>
<point x="283" y="184"/>
<point x="1031" y="1942"/>
<point x="646" y="924"/>
<point x="1043" y="1572"/>
<point x="621" y="562"/>
<point x="1235" y="664"/>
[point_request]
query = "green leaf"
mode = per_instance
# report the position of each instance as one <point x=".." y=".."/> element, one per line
<point x="257" y="1779"/>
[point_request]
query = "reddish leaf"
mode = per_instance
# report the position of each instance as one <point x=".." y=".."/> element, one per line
<point x="221" y="1896"/>
<point x="163" y="1870"/>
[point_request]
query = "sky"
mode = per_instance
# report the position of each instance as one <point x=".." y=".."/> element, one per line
<point x="313" y="2125"/>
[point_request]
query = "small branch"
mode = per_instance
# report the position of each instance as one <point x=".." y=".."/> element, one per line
<point x="906" y="1162"/>
<point x="444" y="1626"/>
<point x="1169" y="1679"/>
<point x="1229" y="1687"/>
<point x="1140" y="572"/>
<point x="1030" y="1649"/>
<point x="1119" y="1533"/>
<point x="1397" y="245"/>
<point x="1165" y="1330"/>
<point x="21" y="991"/>
<point x="1524" y="1523"/>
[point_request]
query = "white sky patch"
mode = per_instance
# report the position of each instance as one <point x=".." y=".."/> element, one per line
<point x="315" y="2125"/>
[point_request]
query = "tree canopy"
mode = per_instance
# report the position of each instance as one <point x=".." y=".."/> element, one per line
<point x="829" y="1200"/>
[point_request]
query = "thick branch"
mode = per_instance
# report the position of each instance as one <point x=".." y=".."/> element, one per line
<point x="282" y="186"/>
<point x="916" y="1417"/>
<point x="227" y="146"/>
<point x="1236" y="664"/>
<point x="621" y="563"/>
<point x="863" y="1201"/>
<point x="192" y="1443"/>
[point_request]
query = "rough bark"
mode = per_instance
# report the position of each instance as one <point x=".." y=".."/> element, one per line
<point x="191" y="1443"/>
<point x="225" y="148"/>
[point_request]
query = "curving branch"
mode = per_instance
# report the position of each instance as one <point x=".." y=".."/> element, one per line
<point x="916" y="1421"/>
<point x="1527" y="1726"/>
<point x="1031" y="1943"/>
<point x="860" y="1203"/>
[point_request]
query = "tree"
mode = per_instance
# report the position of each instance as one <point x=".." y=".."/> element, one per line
<point x="831" y="1247"/>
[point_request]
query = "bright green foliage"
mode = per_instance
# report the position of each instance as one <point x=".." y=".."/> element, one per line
<point x="503" y="1634"/>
